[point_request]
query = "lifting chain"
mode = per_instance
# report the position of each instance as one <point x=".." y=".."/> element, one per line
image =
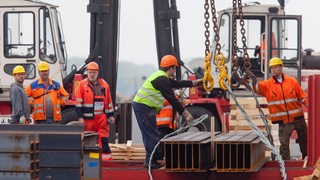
<point x="246" y="59"/>
<point x="247" y="74"/>
<point x="219" y="57"/>
<point x="235" y="65"/>
<point x="208" y="81"/>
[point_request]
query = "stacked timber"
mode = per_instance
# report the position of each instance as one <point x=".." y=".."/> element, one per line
<point x="127" y="151"/>
<point x="238" y="122"/>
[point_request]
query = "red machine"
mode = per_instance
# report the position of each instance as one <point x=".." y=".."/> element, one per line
<point x="32" y="33"/>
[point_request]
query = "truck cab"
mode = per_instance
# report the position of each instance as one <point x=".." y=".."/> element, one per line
<point x="31" y="33"/>
<point x="267" y="33"/>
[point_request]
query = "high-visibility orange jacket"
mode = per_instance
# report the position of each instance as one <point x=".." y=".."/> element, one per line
<point x="164" y="118"/>
<point x="263" y="48"/>
<point x="37" y="95"/>
<point x="284" y="99"/>
<point x="88" y="104"/>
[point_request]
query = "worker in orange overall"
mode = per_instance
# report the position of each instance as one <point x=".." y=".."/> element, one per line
<point x="285" y="98"/>
<point x="261" y="50"/>
<point x="46" y="97"/>
<point x="95" y="108"/>
<point x="167" y="121"/>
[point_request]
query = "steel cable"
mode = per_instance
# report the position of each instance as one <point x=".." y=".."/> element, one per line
<point x="182" y="129"/>
<point x="262" y="137"/>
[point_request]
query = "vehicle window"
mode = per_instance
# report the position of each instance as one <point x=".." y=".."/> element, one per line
<point x="287" y="37"/>
<point x="47" y="52"/>
<point x="18" y="34"/>
<point x="29" y="68"/>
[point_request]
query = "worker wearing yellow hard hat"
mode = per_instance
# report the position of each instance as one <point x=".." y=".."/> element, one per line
<point x="43" y="66"/>
<point x="285" y="98"/>
<point x="18" y="97"/>
<point x="275" y="61"/>
<point x="46" y="96"/>
<point x="18" y="69"/>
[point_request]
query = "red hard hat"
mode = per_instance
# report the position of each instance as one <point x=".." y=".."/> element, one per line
<point x="168" y="60"/>
<point x="93" y="66"/>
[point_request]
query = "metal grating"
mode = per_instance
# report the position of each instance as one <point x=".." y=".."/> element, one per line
<point x="239" y="152"/>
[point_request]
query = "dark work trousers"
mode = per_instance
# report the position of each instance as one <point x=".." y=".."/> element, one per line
<point x="146" y="118"/>
<point x="163" y="130"/>
<point x="285" y="131"/>
<point x="105" y="145"/>
<point x="47" y="121"/>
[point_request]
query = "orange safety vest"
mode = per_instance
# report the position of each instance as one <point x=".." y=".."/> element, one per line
<point x="37" y="94"/>
<point x="263" y="48"/>
<point x="164" y="118"/>
<point x="91" y="104"/>
<point x="284" y="99"/>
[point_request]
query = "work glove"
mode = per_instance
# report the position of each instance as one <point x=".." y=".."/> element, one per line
<point x="22" y="120"/>
<point x="197" y="82"/>
<point x="188" y="116"/>
<point x="111" y="120"/>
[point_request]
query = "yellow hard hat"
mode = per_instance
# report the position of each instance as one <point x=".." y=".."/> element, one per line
<point x="275" y="61"/>
<point x="43" y="66"/>
<point x="18" y="69"/>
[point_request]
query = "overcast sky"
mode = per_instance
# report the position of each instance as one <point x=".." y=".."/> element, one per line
<point x="137" y="39"/>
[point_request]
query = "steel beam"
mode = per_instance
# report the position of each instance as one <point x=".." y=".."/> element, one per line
<point x="188" y="151"/>
<point x="239" y="152"/>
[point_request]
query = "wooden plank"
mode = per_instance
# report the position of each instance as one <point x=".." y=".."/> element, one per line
<point x="252" y="117"/>
<point x="128" y="154"/>
<point x="249" y="111"/>
<point x="258" y="122"/>
<point x="249" y="100"/>
<point x="119" y="146"/>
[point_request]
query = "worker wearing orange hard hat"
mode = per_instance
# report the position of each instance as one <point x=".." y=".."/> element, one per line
<point x="150" y="98"/>
<point x="46" y="97"/>
<point x="94" y="107"/>
<point x="285" y="98"/>
<point x="18" y="98"/>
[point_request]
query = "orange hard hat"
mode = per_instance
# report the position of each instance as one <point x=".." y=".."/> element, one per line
<point x="168" y="60"/>
<point x="93" y="66"/>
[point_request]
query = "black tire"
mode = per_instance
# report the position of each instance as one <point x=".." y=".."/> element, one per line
<point x="197" y="112"/>
<point x="69" y="115"/>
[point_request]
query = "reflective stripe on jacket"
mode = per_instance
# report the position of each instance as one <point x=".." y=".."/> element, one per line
<point x="284" y="99"/>
<point x="165" y="116"/>
<point x="37" y="94"/>
<point x="150" y="96"/>
<point x="89" y="104"/>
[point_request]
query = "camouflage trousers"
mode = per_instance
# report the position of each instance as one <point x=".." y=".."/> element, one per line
<point x="285" y="131"/>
